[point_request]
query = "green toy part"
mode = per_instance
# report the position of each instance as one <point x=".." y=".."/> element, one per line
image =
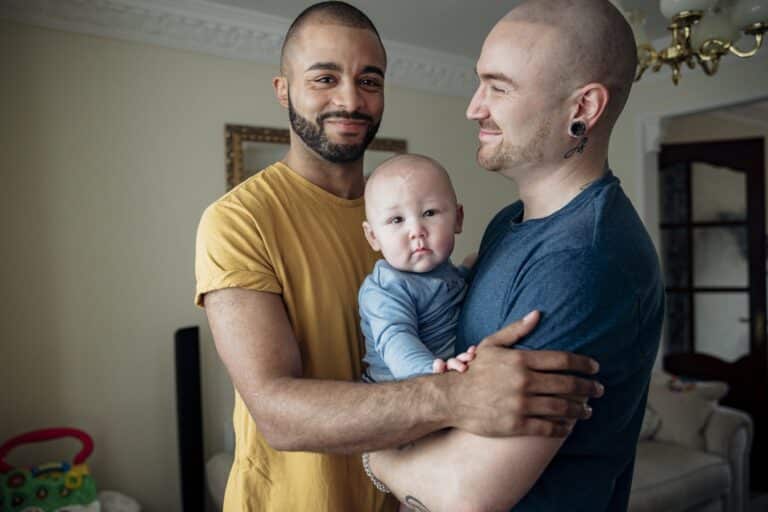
<point x="52" y="487"/>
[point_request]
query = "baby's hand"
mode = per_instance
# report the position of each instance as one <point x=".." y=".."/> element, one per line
<point x="460" y="363"/>
<point x="470" y="260"/>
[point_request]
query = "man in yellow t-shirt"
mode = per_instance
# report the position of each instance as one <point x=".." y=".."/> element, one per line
<point x="279" y="261"/>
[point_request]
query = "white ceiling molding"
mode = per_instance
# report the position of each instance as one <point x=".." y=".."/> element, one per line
<point x="227" y="32"/>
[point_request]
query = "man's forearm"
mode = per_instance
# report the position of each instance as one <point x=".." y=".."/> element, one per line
<point x="455" y="470"/>
<point x="334" y="416"/>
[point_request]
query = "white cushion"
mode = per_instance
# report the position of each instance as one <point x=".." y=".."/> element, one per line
<point x="684" y="408"/>
<point x="651" y="424"/>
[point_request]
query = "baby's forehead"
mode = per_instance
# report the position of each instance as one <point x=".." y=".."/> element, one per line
<point x="407" y="170"/>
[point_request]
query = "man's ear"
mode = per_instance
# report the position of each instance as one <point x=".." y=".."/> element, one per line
<point x="592" y="100"/>
<point x="280" y="84"/>
<point x="459" y="218"/>
<point x="371" y="236"/>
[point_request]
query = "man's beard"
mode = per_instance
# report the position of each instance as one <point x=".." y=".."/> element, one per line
<point x="313" y="135"/>
<point x="509" y="156"/>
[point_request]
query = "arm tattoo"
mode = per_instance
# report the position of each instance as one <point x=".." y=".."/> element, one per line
<point x="415" y="504"/>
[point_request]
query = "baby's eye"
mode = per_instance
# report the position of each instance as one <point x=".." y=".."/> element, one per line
<point x="430" y="213"/>
<point x="396" y="220"/>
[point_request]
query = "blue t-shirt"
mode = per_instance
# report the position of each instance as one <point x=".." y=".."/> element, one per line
<point x="592" y="271"/>
<point x="409" y="319"/>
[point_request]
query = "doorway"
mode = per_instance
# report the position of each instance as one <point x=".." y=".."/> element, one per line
<point x="712" y="238"/>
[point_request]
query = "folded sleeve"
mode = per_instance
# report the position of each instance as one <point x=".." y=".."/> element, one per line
<point x="392" y="317"/>
<point x="231" y="252"/>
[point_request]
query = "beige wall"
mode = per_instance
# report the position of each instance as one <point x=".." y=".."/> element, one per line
<point x="109" y="152"/>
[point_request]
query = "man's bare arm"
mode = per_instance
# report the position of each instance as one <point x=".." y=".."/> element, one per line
<point x="253" y="336"/>
<point x="457" y="471"/>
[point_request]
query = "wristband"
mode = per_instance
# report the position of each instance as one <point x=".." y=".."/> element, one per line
<point x="376" y="482"/>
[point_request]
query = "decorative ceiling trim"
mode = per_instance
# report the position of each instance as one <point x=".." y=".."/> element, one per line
<point x="226" y="31"/>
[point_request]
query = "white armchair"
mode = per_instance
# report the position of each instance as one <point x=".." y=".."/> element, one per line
<point x="697" y="459"/>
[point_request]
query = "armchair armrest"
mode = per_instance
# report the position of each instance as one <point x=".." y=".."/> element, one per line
<point x="728" y="433"/>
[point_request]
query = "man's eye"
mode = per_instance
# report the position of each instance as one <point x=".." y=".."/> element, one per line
<point x="498" y="89"/>
<point x="370" y="83"/>
<point x="324" y="79"/>
<point x="430" y="213"/>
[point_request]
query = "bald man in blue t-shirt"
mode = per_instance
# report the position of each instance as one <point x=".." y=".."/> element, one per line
<point x="554" y="77"/>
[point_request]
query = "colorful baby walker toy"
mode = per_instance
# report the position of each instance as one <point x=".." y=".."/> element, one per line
<point x="53" y="487"/>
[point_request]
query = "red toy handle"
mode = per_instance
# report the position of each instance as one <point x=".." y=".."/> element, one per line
<point x="47" y="435"/>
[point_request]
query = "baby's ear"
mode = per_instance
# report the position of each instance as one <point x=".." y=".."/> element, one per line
<point x="371" y="236"/>
<point x="459" y="218"/>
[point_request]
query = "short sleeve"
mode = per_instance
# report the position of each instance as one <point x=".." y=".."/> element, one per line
<point x="586" y="307"/>
<point x="231" y="252"/>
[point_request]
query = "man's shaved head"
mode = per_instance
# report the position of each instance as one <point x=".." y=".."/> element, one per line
<point x="595" y="45"/>
<point x="326" y="13"/>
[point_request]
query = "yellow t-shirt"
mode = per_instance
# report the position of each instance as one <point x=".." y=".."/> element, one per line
<point x="279" y="233"/>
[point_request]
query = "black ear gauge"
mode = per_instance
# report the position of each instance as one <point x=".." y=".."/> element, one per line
<point x="578" y="129"/>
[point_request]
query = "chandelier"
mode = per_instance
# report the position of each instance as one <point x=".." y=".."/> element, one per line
<point x="703" y="31"/>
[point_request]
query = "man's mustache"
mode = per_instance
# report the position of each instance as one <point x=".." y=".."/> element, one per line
<point x="343" y="114"/>
<point x="489" y="126"/>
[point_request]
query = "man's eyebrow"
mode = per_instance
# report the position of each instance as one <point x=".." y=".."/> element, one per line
<point x="501" y="77"/>
<point x="374" y="69"/>
<point x="332" y="66"/>
<point x="327" y="66"/>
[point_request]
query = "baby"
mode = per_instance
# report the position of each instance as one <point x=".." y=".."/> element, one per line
<point x="410" y="303"/>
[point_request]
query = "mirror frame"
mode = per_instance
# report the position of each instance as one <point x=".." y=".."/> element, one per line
<point x="236" y="134"/>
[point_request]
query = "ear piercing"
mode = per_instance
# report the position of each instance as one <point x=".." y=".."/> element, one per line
<point x="577" y="130"/>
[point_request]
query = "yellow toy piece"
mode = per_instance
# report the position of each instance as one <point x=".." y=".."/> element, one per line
<point x="74" y="478"/>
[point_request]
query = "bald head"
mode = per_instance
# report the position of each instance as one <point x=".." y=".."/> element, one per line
<point x="594" y="44"/>
<point x="325" y="13"/>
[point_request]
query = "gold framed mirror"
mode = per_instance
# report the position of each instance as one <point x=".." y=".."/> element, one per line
<point x="252" y="148"/>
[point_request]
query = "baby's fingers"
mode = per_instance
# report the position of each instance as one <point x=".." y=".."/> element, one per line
<point x="456" y="365"/>
<point x="469" y="355"/>
<point x="438" y="366"/>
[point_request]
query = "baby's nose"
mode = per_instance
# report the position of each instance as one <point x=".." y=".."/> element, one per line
<point x="418" y="231"/>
